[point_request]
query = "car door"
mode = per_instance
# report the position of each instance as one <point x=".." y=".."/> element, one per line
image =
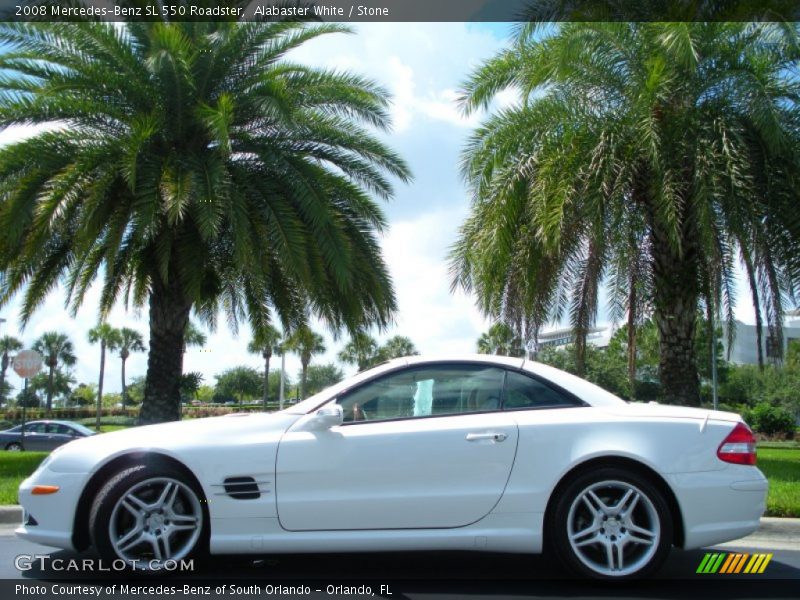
<point x="59" y="434"/>
<point x="35" y="437"/>
<point x="422" y="447"/>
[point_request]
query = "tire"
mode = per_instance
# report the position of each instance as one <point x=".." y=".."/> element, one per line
<point x="14" y="447"/>
<point x="147" y="515"/>
<point x="611" y="523"/>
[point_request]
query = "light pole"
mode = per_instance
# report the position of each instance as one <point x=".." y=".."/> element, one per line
<point x="283" y="370"/>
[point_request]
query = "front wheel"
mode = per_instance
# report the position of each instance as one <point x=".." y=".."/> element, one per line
<point x="147" y="516"/>
<point x="612" y="524"/>
<point x="14" y="447"/>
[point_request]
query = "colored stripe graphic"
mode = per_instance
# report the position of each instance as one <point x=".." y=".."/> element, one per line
<point x="725" y="563"/>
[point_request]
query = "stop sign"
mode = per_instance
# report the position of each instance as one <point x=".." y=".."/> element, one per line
<point x="27" y="363"/>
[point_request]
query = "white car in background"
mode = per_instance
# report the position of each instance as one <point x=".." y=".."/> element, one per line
<point x="467" y="453"/>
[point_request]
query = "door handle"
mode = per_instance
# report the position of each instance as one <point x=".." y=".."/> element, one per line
<point x="494" y="436"/>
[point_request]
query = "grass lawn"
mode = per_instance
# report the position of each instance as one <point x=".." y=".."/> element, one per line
<point x="782" y="468"/>
<point x="14" y="467"/>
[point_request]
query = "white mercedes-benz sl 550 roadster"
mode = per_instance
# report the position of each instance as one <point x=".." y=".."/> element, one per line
<point x="468" y="453"/>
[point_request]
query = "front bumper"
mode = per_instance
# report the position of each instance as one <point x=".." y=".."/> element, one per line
<point x="720" y="506"/>
<point x="54" y="514"/>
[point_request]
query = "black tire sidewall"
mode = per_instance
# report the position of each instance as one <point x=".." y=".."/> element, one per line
<point x="558" y="526"/>
<point x="116" y="487"/>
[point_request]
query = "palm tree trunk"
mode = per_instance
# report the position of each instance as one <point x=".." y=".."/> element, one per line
<point x="169" y="314"/>
<point x="50" y="384"/>
<point x="100" y="384"/>
<point x="266" y="380"/>
<point x="124" y="387"/>
<point x="3" y="367"/>
<point x="751" y="276"/>
<point x="675" y="313"/>
<point x="303" y="378"/>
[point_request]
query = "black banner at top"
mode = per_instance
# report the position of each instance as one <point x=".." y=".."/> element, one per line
<point x="400" y="10"/>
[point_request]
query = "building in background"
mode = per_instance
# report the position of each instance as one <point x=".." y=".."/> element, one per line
<point x="744" y="350"/>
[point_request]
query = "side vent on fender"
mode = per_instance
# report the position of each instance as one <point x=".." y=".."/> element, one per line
<point x="242" y="488"/>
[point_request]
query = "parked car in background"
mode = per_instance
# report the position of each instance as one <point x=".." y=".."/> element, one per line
<point x="468" y="453"/>
<point x="42" y="435"/>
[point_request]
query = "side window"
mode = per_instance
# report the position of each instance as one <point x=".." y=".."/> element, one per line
<point x="526" y="392"/>
<point x="59" y="428"/>
<point x="425" y="392"/>
<point x="35" y="428"/>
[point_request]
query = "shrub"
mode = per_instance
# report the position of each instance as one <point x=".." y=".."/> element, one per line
<point x="771" y="420"/>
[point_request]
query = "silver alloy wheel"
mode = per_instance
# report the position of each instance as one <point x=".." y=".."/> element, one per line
<point x="14" y="447"/>
<point x="613" y="528"/>
<point x="158" y="519"/>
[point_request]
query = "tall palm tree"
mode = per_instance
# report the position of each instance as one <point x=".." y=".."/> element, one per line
<point x="56" y="349"/>
<point x="396" y="347"/>
<point x="654" y="154"/>
<point x="130" y="340"/>
<point x="108" y="337"/>
<point x="8" y="344"/>
<point x="201" y="170"/>
<point x="265" y="342"/>
<point x="501" y="340"/>
<point x="305" y="343"/>
<point x="360" y="350"/>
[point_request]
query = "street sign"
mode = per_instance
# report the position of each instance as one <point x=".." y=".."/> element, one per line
<point x="27" y="363"/>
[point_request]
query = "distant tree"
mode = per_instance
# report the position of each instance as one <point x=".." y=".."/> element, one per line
<point x="130" y="340"/>
<point x="395" y="347"/>
<point x="265" y="342"/>
<point x="56" y="349"/>
<point x="135" y="390"/>
<point x="8" y="345"/>
<point x="205" y="393"/>
<point x="83" y="395"/>
<point x="190" y="385"/>
<point x="28" y="398"/>
<point x="109" y="338"/>
<point x="500" y="340"/>
<point x="360" y="350"/>
<point x="319" y="377"/>
<point x="61" y="382"/>
<point x="238" y="383"/>
<point x="305" y="343"/>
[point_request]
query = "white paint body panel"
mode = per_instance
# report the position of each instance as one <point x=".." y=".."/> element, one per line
<point x="417" y="484"/>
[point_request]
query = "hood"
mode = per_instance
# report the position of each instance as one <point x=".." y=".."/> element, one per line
<point x="660" y="411"/>
<point x="85" y="454"/>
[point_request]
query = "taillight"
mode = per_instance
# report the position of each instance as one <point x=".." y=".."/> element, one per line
<point x="739" y="447"/>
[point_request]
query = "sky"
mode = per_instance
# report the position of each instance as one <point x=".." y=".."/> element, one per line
<point x="422" y="65"/>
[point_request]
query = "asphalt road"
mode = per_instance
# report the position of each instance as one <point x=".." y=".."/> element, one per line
<point x="449" y="574"/>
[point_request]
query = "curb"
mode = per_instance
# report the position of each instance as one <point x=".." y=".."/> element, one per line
<point x="11" y="514"/>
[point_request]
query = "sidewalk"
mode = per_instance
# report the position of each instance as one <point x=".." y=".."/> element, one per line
<point x="774" y="533"/>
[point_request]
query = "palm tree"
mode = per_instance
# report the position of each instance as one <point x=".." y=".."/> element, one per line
<point x="109" y="338"/>
<point x="361" y="350"/>
<point x="396" y="347"/>
<point x="193" y="336"/>
<point x="265" y="342"/>
<point x="8" y="344"/>
<point x="647" y="156"/>
<point x="305" y="343"/>
<point x="56" y="349"/>
<point x="501" y="340"/>
<point x="198" y="169"/>
<point x="129" y="341"/>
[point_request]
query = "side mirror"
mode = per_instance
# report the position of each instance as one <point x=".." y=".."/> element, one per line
<point x="328" y="416"/>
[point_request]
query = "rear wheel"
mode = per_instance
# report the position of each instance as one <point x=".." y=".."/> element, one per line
<point x="612" y="524"/>
<point x="147" y="516"/>
<point x="14" y="447"/>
